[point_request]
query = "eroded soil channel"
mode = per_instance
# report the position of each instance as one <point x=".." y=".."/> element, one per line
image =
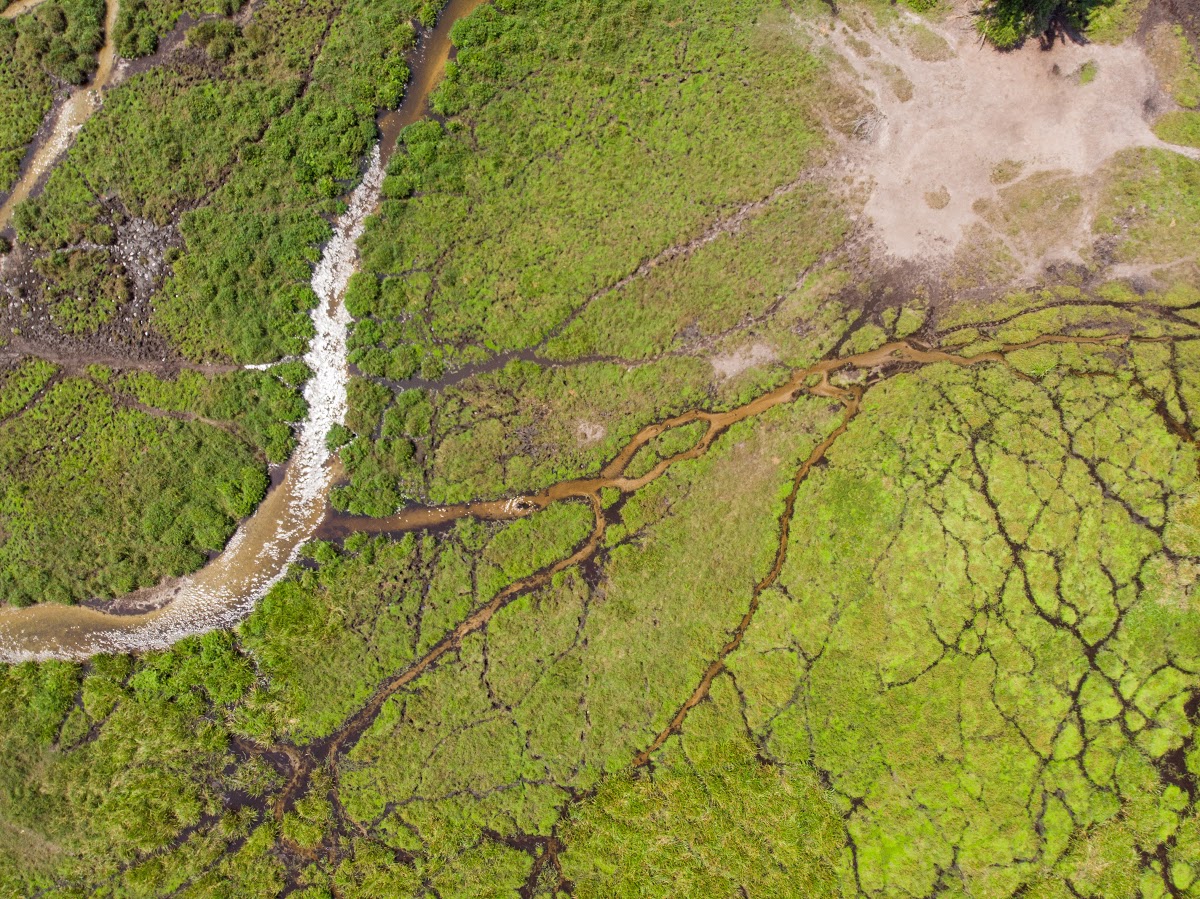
<point x="297" y="510"/>
<point x="816" y="380"/>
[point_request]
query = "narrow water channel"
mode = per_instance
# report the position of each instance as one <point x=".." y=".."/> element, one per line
<point x="258" y="556"/>
<point x="20" y="6"/>
<point x="226" y="589"/>
<point x="69" y="117"/>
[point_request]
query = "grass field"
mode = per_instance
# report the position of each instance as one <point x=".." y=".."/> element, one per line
<point x="925" y="625"/>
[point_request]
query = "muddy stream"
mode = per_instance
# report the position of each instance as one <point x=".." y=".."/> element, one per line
<point x="68" y="117"/>
<point x="226" y="589"/>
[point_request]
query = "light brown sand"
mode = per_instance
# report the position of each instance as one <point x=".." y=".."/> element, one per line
<point x="977" y="108"/>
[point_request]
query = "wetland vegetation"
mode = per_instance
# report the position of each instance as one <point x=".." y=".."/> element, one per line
<point x="687" y="545"/>
<point x="53" y="45"/>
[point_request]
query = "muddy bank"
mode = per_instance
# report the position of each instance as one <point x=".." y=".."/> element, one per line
<point x="258" y="555"/>
<point x="20" y="6"/>
<point x="226" y="590"/>
<point x="612" y="476"/>
<point x="427" y="63"/>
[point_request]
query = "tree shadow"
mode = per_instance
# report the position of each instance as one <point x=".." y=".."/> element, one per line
<point x="1008" y="24"/>
<point x="1062" y="28"/>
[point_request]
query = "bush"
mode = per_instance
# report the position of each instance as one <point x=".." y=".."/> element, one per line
<point x="1006" y="23"/>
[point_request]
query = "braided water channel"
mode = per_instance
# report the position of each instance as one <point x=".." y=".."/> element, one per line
<point x="258" y="556"/>
<point x="226" y="590"/>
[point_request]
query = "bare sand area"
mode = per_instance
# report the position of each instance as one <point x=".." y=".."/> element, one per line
<point x="957" y="121"/>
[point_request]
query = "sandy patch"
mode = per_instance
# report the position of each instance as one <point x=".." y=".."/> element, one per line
<point x="727" y="365"/>
<point x="590" y="432"/>
<point x="978" y="119"/>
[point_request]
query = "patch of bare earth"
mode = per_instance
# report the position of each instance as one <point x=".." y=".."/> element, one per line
<point x="727" y="365"/>
<point x="985" y="153"/>
<point x="590" y="432"/>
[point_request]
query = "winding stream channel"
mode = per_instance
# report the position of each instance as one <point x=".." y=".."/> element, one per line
<point x="258" y="556"/>
<point x="68" y="117"/>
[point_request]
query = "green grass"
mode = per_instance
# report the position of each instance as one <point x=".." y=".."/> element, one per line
<point x="52" y="45"/>
<point x="22" y="383"/>
<point x="140" y="23"/>
<point x="979" y="658"/>
<point x="101" y="498"/>
<point x="1009" y="23"/>
<point x="497" y="240"/>
<point x="976" y="673"/>
<point x="1179" y="127"/>
<point x="238" y="154"/>
<point x="242" y="161"/>
<point x="84" y="289"/>
<point x="325" y="638"/>
<point x="1113" y="22"/>
<point x="1151" y="205"/>
<point x="500" y="233"/>
<point x="683" y="830"/>
<point x="691" y="299"/>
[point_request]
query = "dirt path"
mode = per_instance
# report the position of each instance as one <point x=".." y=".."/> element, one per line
<point x="76" y="361"/>
<point x="952" y="110"/>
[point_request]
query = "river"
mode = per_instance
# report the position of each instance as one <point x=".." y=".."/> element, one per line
<point x="258" y="556"/>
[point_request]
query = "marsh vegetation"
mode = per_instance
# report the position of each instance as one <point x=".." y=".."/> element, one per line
<point x="809" y="575"/>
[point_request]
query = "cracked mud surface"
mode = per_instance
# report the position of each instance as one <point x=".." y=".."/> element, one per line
<point x="908" y="513"/>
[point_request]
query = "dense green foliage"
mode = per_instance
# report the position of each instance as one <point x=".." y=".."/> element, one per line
<point x="84" y="288"/>
<point x="140" y="23"/>
<point x="476" y="200"/>
<point x="711" y="819"/>
<point x="503" y="243"/>
<point x="977" y="670"/>
<point x="55" y="43"/>
<point x="326" y="638"/>
<point x="261" y="138"/>
<point x="112" y="482"/>
<point x="311" y="654"/>
<point x="1007" y="23"/>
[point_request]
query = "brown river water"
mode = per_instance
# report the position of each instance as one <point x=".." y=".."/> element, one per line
<point x="226" y="589"/>
<point x="68" y="117"/>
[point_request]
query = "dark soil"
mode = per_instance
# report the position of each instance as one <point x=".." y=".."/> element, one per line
<point x="1185" y="13"/>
